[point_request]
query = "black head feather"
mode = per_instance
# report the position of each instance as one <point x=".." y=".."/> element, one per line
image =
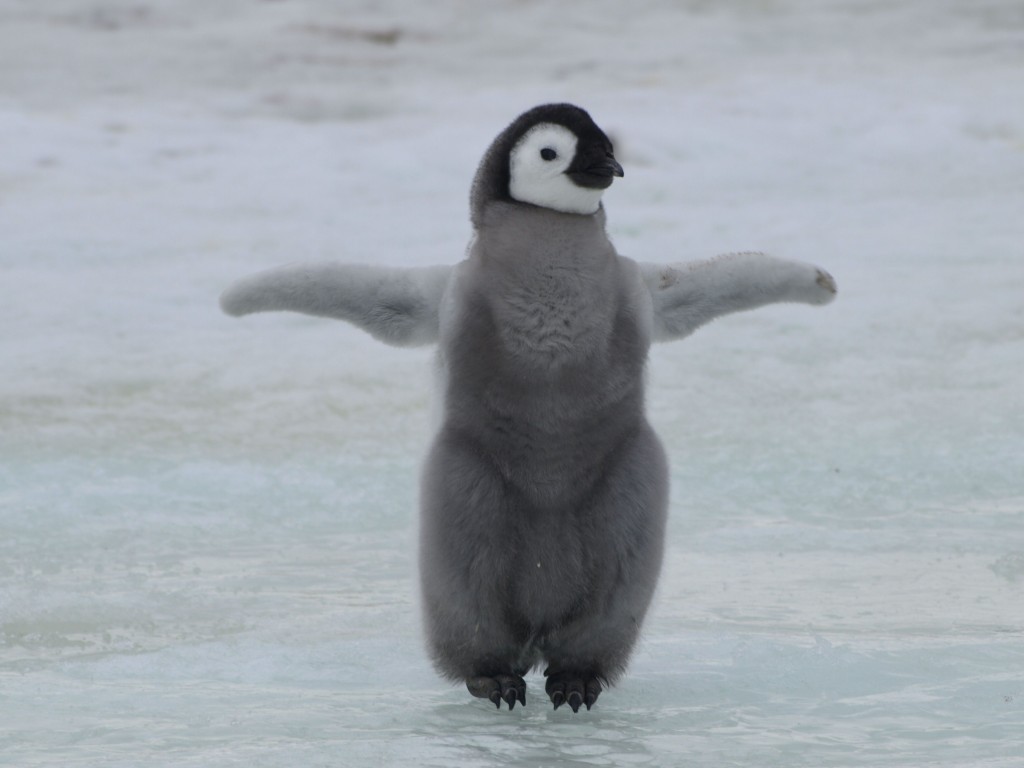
<point x="492" y="176"/>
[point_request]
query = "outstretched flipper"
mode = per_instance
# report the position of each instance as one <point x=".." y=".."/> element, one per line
<point x="395" y="305"/>
<point x="686" y="296"/>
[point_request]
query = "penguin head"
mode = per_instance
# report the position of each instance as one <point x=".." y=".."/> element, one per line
<point x="553" y="156"/>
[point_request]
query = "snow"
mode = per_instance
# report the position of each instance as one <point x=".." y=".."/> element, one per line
<point x="207" y="525"/>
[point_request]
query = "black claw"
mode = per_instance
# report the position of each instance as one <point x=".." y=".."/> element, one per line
<point x="575" y="700"/>
<point x="576" y="689"/>
<point x="507" y="688"/>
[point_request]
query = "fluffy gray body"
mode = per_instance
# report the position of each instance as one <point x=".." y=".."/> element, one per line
<point x="545" y="492"/>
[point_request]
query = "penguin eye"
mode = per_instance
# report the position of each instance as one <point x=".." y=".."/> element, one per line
<point x="548" y="153"/>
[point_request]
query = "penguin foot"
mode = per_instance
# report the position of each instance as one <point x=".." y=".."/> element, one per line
<point x="507" y="688"/>
<point x="572" y="688"/>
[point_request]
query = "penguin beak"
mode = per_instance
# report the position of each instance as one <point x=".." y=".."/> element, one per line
<point x="596" y="172"/>
<point x="607" y="166"/>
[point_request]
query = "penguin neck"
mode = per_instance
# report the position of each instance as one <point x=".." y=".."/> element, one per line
<point x="526" y="243"/>
<point x="551" y="280"/>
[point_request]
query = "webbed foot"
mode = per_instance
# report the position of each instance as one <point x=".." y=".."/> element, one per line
<point x="507" y="688"/>
<point x="572" y="688"/>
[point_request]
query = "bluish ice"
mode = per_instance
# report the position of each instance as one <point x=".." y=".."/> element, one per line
<point x="208" y="527"/>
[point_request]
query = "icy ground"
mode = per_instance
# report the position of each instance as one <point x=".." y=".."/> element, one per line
<point x="207" y="525"/>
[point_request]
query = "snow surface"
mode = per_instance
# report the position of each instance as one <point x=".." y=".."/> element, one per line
<point x="207" y="525"/>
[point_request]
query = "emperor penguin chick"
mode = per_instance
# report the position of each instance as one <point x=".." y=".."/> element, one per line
<point x="544" y="494"/>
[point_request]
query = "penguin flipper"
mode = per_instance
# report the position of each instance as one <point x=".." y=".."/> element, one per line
<point x="399" y="306"/>
<point x="688" y="295"/>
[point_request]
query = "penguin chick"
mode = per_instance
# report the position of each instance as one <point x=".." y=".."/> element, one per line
<point x="545" y="490"/>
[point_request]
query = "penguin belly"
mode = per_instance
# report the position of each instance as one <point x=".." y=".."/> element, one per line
<point x="544" y="496"/>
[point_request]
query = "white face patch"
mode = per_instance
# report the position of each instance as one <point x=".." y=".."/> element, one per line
<point x="537" y="168"/>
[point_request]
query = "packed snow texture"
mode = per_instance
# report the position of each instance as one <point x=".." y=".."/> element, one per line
<point x="208" y="525"/>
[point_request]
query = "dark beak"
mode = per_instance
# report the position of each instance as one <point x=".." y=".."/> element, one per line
<point x="607" y="166"/>
<point x="595" y="169"/>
